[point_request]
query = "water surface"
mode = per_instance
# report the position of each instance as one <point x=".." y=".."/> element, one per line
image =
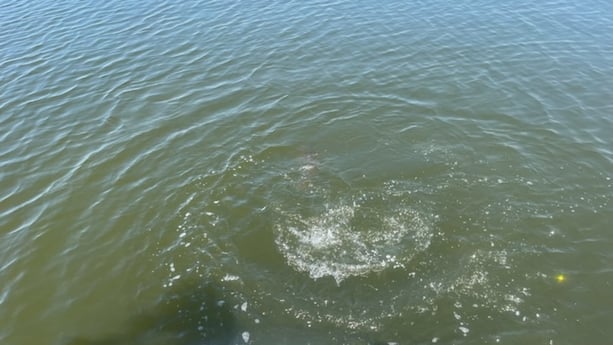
<point x="346" y="172"/>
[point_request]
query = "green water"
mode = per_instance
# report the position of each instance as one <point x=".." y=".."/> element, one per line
<point x="346" y="172"/>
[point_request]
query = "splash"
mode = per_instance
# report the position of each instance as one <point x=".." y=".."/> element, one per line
<point x="351" y="238"/>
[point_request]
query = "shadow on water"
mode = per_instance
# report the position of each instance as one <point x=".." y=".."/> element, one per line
<point x="188" y="315"/>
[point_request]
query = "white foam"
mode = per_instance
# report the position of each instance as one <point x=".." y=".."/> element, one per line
<point x="245" y="336"/>
<point x="335" y="243"/>
<point x="230" y="277"/>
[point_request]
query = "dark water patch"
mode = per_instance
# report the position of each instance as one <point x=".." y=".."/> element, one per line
<point x="188" y="314"/>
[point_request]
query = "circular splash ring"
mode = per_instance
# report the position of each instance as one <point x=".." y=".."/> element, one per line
<point x="352" y="238"/>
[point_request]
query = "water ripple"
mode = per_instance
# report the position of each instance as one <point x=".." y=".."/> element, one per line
<point x="144" y="141"/>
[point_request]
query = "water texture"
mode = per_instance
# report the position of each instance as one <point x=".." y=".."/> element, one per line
<point x="306" y="172"/>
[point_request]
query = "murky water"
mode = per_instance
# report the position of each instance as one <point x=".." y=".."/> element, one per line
<point x="346" y="172"/>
